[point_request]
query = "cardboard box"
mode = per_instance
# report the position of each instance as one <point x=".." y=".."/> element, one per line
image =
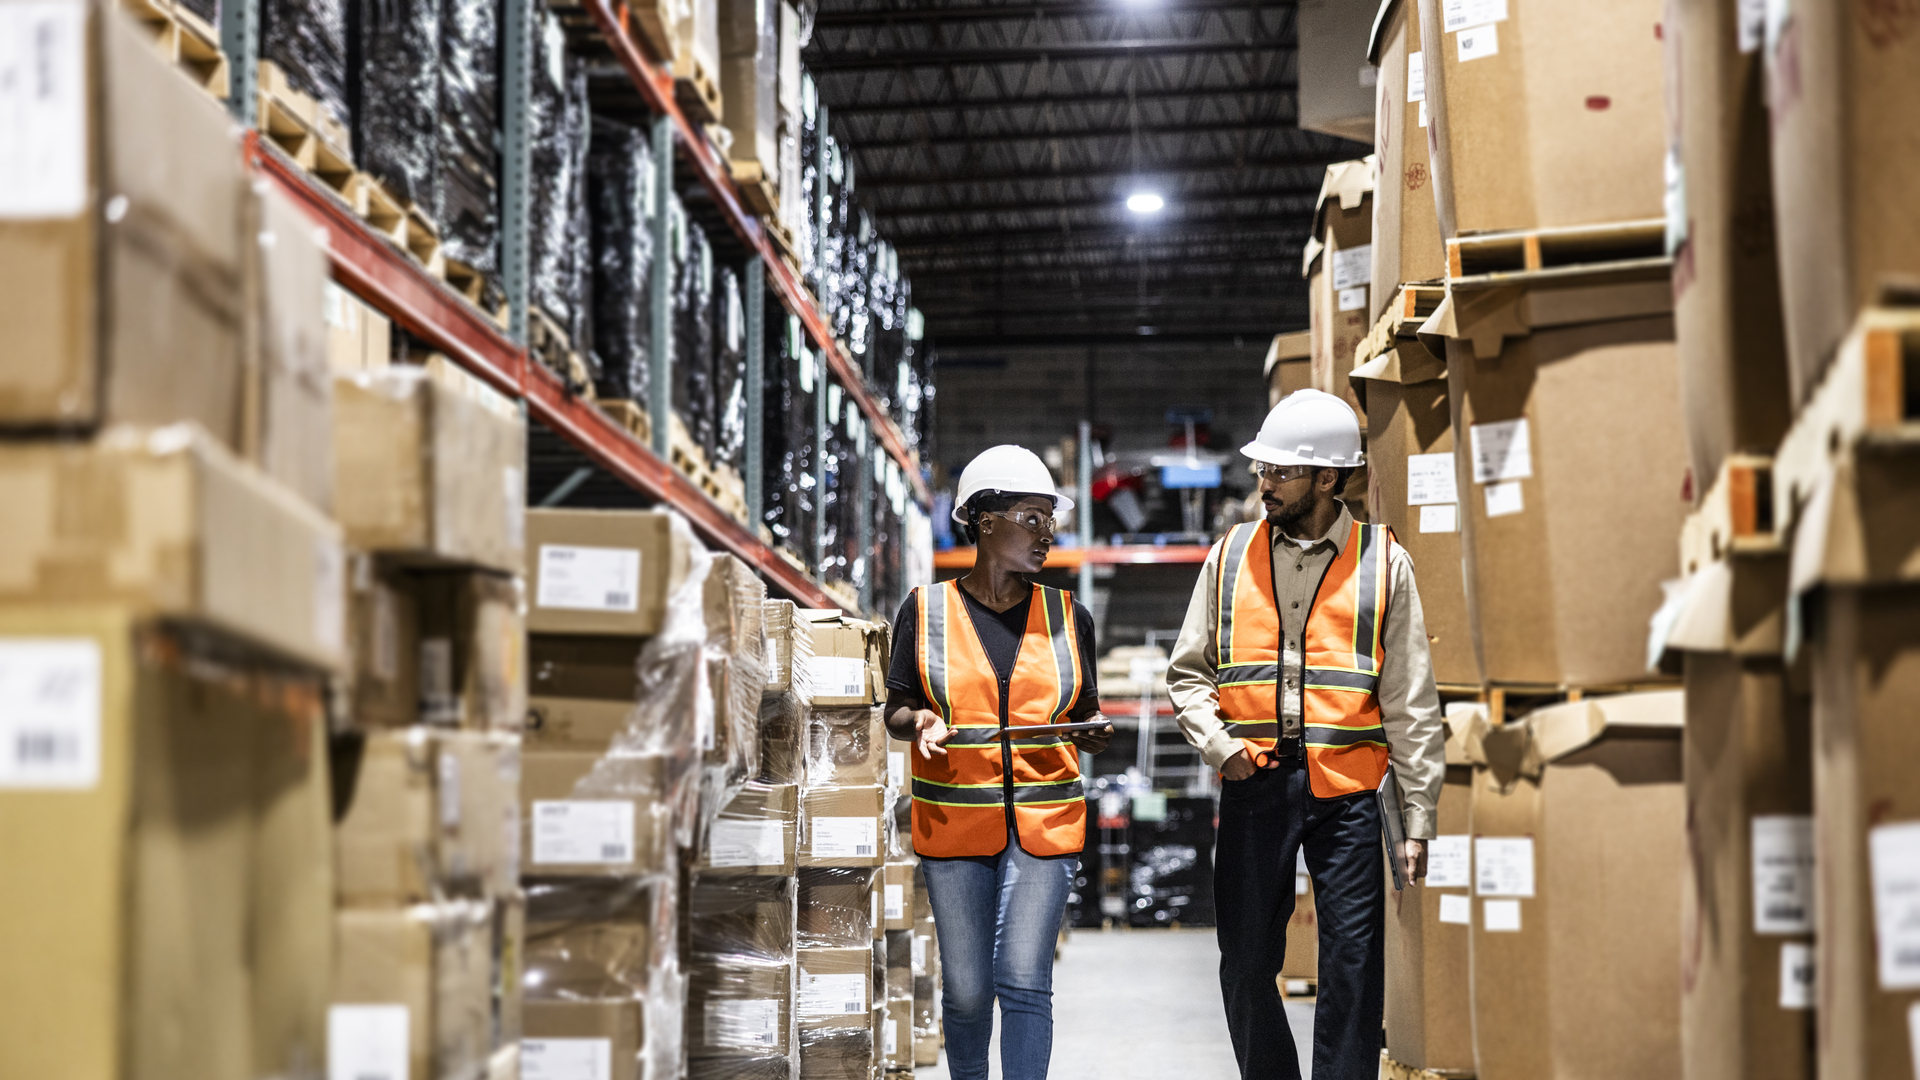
<point x="440" y="647"/>
<point x="121" y="254"/>
<point x="845" y="651"/>
<point x="571" y="1037"/>
<point x="783" y="733"/>
<point x="428" y="813"/>
<point x="782" y="620"/>
<point x="1842" y="214"/>
<point x="836" y="906"/>
<point x="926" y="1046"/>
<point x="833" y="1006"/>
<point x="585" y="668"/>
<point x="1411" y="473"/>
<point x="733" y="918"/>
<point x="604" y="572"/>
<point x="581" y="823"/>
<point x="426" y="474"/>
<point x="897" y="899"/>
<point x="1338" y="267"/>
<point x="897" y="1038"/>
<point x="843" y="827"/>
<point x="1336" y="82"/>
<point x="413" y="991"/>
<point x="358" y="337"/>
<point x="1726" y="278"/>
<point x="1579" y="822"/>
<point x="1866" y="673"/>
<point x="1289" y="365"/>
<point x="846" y="747"/>
<point x="165" y="819"/>
<point x="1407" y="246"/>
<point x="1564" y="559"/>
<point x="1302" y="959"/>
<point x="755" y="834"/>
<point x="1429" y="993"/>
<point x="595" y="937"/>
<point x="1553" y="117"/>
<point x="509" y="981"/>
<point x="737" y="1014"/>
<point x="576" y="723"/>
<point x="900" y="967"/>
<point x="171" y="523"/>
<point x="735" y="609"/>
<point x="750" y="87"/>
<point x="383" y="632"/>
<point x="290" y="433"/>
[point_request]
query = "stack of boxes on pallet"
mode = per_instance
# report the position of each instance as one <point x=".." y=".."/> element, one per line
<point x="1569" y="365"/>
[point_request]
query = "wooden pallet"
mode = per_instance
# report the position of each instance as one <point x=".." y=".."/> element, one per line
<point x="1869" y="396"/>
<point x="697" y="90"/>
<point x="1393" y="1070"/>
<point x="1736" y="517"/>
<point x="1401" y="320"/>
<point x="756" y="190"/>
<point x="718" y="481"/>
<point x="733" y="490"/>
<point x="194" y="48"/>
<point x="844" y="594"/>
<point x="653" y="22"/>
<point x="631" y="416"/>
<point x="791" y="558"/>
<point x="465" y="280"/>
<point x="1623" y="249"/>
<point x="552" y="348"/>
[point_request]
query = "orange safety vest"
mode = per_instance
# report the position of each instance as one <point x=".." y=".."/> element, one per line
<point x="1340" y="705"/>
<point x="965" y="802"/>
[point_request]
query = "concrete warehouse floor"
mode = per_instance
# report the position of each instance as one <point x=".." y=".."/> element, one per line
<point x="1142" y="1005"/>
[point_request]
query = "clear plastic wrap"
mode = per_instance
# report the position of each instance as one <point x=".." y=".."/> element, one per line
<point x="741" y="970"/>
<point x="468" y="123"/>
<point x="395" y="96"/>
<point x="620" y="184"/>
<point x="899" y="945"/>
<point x="737" y="662"/>
<point x="783" y="707"/>
<point x="308" y="40"/>
<point x="846" y="747"/>
<point x="834" y="1001"/>
<point x="836" y="907"/>
<point x="557" y="129"/>
<point x="756" y="833"/>
<point x="602" y="957"/>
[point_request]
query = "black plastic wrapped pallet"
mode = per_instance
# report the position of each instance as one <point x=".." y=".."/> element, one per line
<point x="729" y="371"/>
<point x="394" y="95"/>
<point x="557" y="131"/>
<point x="693" y="338"/>
<point x="469" y="213"/>
<point x="620" y="198"/>
<point x="308" y="40"/>
<point x="788" y="427"/>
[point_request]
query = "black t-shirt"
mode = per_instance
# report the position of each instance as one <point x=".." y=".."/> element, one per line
<point x="1000" y="635"/>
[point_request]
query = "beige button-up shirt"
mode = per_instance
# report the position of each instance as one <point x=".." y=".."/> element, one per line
<point x="1410" y="706"/>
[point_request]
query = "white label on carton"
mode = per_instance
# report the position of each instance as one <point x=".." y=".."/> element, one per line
<point x="566" y="1059"/>
<point x="753" y="1023"/>
<point x="514" y="481"/>
<point x="896" y="902"/>
<point x="367" y="1042"/>
<point x="1895" y="850"/>
<point x="1416" y="78"/>
<point x="1440" y="519"/>
<point x="1460" y="14"/>
<point x="596" y="831"/>
<point x="1500" y="916"/>
<point x="1504" y="865"/>
<point x="890" y="1040"/>
<point x="879" y="915"/>
<point x="1456" y="909"/>
<point x="43" y="110"/>
<point x="50" y="712"/>
<point x="832" y="995"/>
<point x="1352" y="266"/>
<point x="845" y="837"/>
<point x="897" y="768"/>
<point x="1775" y="19"/>
<point x="838" y="676"/>
<point x="1783" y="874"/>
<point x="920" y="954"/>
<point x="589" y="578"/>
<point x="329" y="594"/>
<point x="1501" y="451"/>
<point x="1796" y="975"/>
<point x="449" y="790"/>
<point x="1751" y="15"/>
<point x="1505" y="498"/>
<point x="1430" y="480"/>
<point x="746" y="843"/>
<point x="1479" y="43"/>
<point x="1354" y="299"/>
<point x="1450" y="862"/>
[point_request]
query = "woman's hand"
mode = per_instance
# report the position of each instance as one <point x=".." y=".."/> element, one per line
<point x="930" y="733"/>
<point x="1092" y="742"/>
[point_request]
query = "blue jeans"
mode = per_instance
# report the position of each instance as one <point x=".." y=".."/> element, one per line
<point x="998" y="918"/>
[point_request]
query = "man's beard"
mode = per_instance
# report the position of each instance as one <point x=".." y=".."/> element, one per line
<point x="1289" y="515"/>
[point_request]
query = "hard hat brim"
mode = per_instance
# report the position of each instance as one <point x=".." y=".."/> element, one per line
<point x="1269" y="455"/>
<point x="1061" y="504"/>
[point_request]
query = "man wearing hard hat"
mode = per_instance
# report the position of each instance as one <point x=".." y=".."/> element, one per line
<point x="1302" y="674"/>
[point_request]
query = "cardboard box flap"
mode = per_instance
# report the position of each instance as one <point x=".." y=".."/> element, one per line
<point x="1310" y="255"/>
<point x="1295" y="346"/>
<point x="1407" y="363"/>
<point x="1461" y="717"/>
<point x="1348" y="181"/>
<point x="1733" y="606"/>
<point x="1527" y="747"/>
<point x="1860" y="523"/>
<point x="1379" y="23"/>
<point x="1487" y="317"/>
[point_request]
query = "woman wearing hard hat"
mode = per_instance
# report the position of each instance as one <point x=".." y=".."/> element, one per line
<point x="986" y="670"/>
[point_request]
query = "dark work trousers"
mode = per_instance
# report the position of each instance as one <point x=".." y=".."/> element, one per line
<point x="1264" y="821"/>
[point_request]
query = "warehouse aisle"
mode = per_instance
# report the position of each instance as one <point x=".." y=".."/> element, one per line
<point x="1142" y="1005"/>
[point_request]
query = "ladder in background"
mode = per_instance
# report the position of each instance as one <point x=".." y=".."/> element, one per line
<point x="1162" y="755"/>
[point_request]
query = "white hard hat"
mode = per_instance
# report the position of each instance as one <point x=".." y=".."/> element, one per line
<point x="1309" y="427"/>
<point x="1007" y="468"/>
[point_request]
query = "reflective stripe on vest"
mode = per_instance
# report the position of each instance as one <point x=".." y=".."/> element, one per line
<point x="964" y="801"/>
<point x="1342" y="652"/>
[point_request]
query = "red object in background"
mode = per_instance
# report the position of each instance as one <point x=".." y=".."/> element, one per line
<point x="1108" y="479"/>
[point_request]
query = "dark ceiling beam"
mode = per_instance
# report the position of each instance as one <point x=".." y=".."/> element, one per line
<point x="1004" y="12"/>
<point x="891" y="108"/>
<point x="900" y="215"/>
<point x="1173" y="234"/>
<point x="1246" y="337"/>
<point x="1319" y="152"/>
<point x="875" y="60"/>
<point x="1250" y="127"/>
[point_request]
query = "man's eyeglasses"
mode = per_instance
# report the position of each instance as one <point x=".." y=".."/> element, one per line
<point x="1038" y="522"/>
<point x="1280" y="474"/>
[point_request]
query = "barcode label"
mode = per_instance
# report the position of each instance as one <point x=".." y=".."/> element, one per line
<point x="753" y="1023"/>
<point x="576" y="831"/>
<point x="566" y="1059"/>
<point x="50" y="713"/>
<point x="845" y="837"/>
<point x="589" y="578"/>
<point x="832" y="995"/>
<point x="1894" y="852"/>
<point x="746" y="843"/>
<point x="838" y="677"/>
<point x="367" y="1042"/>
<point x="43" y="95"/>
<point x="1782" y="874"/>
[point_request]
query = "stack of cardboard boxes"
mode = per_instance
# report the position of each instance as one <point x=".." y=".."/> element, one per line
<point x="170" y="603"/>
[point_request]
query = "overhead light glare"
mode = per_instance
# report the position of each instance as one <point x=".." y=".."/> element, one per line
<point x="1145" y="202"/>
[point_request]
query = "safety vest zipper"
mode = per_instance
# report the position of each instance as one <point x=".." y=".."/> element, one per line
<point x="1006" y="758"/>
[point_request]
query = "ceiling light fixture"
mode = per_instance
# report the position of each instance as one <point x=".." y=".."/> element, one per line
<point x="1145" y="202"/>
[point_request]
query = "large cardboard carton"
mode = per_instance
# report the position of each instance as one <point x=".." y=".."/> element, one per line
<point x="586" y="813"/>
<point x="1289" y="365"/>
<point x="1843" y="213"/>
<point x="782" y="619"/>
<point x="1336" y="82"/>
<point x="1579" y="823"/>
<point x="1338" y="266"/>
<point x="164" y="807"/>
<point x="1548" y="115"/>
<point x="121" y="252"/>
<point x="740" y="1016"/>
<point x="358" y="337"/>
<point x="1429" y="996"/>
<point x="1726" y="278"/>
<point x="1411" y="474"/>
<point x="290" y="431"/>
<point x="843" y="827"/>
<point x="756" y="834"/>
<point x="833" y="1006"/>
<point x="750" y="83"/>
<point x="585" y="668"/>
<point x="1407" y="246"/>
<point x="427" y="474"/>
<point x="428" y="813"/>
<point x="603" y="572"/>
<point x="836" y="906"/>
<point x="441" y="647"/>
<point x="897" y="897"/>
<point x="596" y="937"/>
<point x="734" y="604"/>
<point x="413" y="991"/>
<point x="846" y="747"/>
<point x="170" y="522"/>
<point x="596" y="1037"/>
<point x="845" y="654"/>
<point x="1572" y="477"/>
